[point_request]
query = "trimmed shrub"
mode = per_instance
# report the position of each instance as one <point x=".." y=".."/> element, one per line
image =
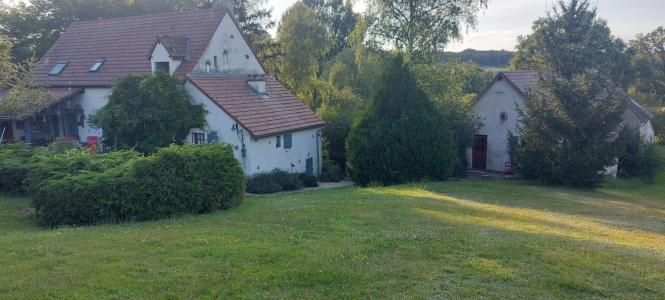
<point x="263" y="183"/>
<point x="308" y="180"/>
<point x="401" y="137"/>
<point x="14" y="166"/>
<point x="48" y="165"/>
<point x="176" y="180"/>
<point x="288" y="181"/>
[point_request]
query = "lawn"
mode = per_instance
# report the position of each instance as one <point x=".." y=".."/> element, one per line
<point x="487" y="239"/>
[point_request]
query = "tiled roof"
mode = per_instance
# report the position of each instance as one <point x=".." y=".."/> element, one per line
<point x="124" y="44"/>
<point x="282" y="112"/>
<point x="56" y="95"/>
<point x="523" y="80"/>
<point x="176" y="46"/>
<point x="526" y="80"/>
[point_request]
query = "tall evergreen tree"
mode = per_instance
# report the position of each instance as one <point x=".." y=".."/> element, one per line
<point x="400" y="137"/>
<point x="570" y="121"/>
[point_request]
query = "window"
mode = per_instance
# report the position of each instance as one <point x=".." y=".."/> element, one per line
<point x="162" y="66"/>
<point x="278" y="141"/>
<point x="96" y="66"/>
<point x="58" y="69"/>
<point x="503" y="116"/>
<point x="198" y="138"/>
<point x="288" y="141"/>
<point x="216" y="64"/>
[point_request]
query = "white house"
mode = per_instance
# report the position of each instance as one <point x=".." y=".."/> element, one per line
<point x="496" y="108"/>
<point x="267" y="125"/>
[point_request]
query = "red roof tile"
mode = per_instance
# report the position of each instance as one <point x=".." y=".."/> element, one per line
<point x="282" y="112"/>
<point x="124" y="45"/>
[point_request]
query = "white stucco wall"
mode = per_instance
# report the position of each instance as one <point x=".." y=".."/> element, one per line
<point x="261" y="155"/>
<point x="500" y="97"/>
<point x="647" y="132"/>
<point x="91" y="101"/>
<point x="161" y="55"/>
<point x="240" y="58"/>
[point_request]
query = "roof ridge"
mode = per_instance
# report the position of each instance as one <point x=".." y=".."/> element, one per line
<point x="183" y="12"/>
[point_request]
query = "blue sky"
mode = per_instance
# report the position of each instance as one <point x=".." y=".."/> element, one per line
<point x="499" y="25"/>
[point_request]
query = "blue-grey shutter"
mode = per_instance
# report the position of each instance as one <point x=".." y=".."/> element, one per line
<point x="288" y="141"/>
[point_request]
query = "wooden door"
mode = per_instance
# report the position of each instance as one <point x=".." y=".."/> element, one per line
<point x="309" y="166"/>
<point x="479" y="152"/>
<point x="8" y="130"/>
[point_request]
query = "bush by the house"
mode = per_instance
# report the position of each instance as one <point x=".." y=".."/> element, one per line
<point x="14" y="166"/>
<point x="288" y="181"/>
<point x="331" y="172"/>
<point x="401" y="137"/>
<point x="49" y="166"/>
<point x="308" y="180"/>
<point x="176" y="180"/>
<point x="638" y="159"/>
<point x="263" y="183"/>
<point x="278" y="181"/>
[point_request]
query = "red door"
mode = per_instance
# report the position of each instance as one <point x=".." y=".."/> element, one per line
<point x="479" y="152"/>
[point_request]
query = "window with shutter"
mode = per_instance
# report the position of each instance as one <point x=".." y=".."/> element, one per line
<point x="288" y="141"/>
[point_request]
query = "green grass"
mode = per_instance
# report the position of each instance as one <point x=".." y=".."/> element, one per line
<point x="485" y="239"/>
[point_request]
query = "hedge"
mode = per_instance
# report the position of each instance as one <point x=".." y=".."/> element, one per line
<point x="176" y="180"/>
<point x="14" y="166"/>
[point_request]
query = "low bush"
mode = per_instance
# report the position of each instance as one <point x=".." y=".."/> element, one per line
<point x="288" y="181"/>
<point x="14" y="167"/>
<point x="263" y="183"/>
<point x="638" y="159"/>
<point x="331" y="172"/>
<point x="176" y="180"/>
<point x="48" y="165"/>
<point x="308" y="180"/>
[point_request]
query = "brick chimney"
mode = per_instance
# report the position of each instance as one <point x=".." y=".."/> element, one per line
<point x="224" y="4"/>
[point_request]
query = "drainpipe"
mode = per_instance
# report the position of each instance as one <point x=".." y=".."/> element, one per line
<point x="318" y="152"/>
<point x="27" y="128"/>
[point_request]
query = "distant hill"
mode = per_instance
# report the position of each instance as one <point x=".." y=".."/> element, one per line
<point x="490" y="59"/>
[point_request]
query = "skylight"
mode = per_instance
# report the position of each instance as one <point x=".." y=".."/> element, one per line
<point x="97" y="65"/>
<point x="58" y="69"/>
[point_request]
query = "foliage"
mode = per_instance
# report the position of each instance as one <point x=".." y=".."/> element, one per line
<point x="147" y="112"/>
<point x="308" y="180"/>
<point x="60" y="146"/>
<point x="304" y="42"/>
<point x="569" y="133"/>
<point x="263" y="183"/>
<point x="571" y="39"/>
<point x="14" y="166"/>
<point x="453" y="88"/>
<point x="49" y="165"/>
<point x="176" y="180"/>
<point x="638" y="158"/>
<point x="421" y="28"/>
<point x="483" y="58"/>
<point x="658" y="123"/>
<point x="400" y="137"/>
<point x="288" y="181"/>
<point x="7" y="67"/>
<point x="24" y="97"/>
<point x="273" y="182"/>
<point x="649" y="63"/>
<point x="339" y="19"/>
<point x="330" y="172"/>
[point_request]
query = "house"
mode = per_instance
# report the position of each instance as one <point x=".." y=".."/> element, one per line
<point x="497" y="109"/>
<point x="266" y="124"/>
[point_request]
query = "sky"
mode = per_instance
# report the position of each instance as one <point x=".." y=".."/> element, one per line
<point x="504" y="20"/>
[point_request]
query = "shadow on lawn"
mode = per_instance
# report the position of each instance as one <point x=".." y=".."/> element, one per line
<point x="539" y="221"/>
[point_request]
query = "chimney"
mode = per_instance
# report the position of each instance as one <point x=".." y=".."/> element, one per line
<point x="224" y="4"/>
<point x="258" y="84"/>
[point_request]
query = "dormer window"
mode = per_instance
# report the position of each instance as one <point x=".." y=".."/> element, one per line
<point x="97" y="66"/>
<point x="162" y="66"/>
<point x="58" y="69"/>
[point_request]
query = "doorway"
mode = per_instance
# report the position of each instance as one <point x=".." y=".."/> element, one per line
<point x="479" y="152"/>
